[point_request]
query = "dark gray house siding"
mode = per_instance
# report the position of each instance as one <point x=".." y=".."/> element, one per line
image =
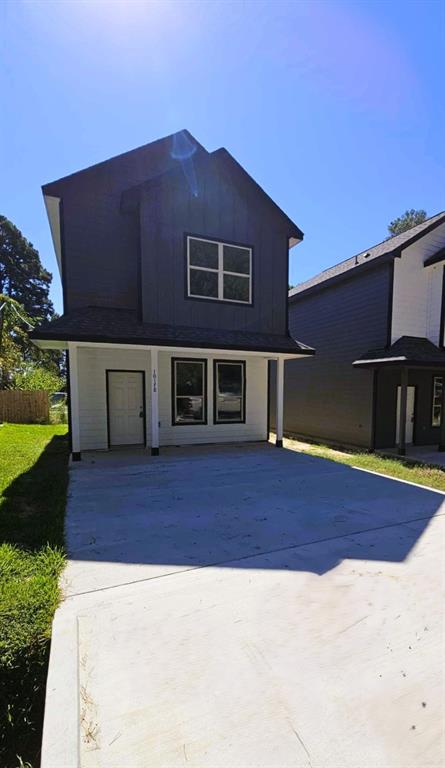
<point x="211" y="205"/>
<point x="386" y="394"/>
<point x="325" y="397"/>
<point x="100" y="244"/>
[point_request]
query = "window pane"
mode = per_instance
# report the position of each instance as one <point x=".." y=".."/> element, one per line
<point x="189" y="409"/>
<point x="203" y="283"/>
<point x="189" y="378"/>
<point x="229" y="409"/>
<point x="236" y="288"/>
<point x="203" y="254"/>
<point x="230" y="379"/>
<point x="236" y="259"/>
<point x="229" y="388"/>
<point x="437" y="401"/>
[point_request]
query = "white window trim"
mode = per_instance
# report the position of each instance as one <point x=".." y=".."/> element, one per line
<point x="181" y="423"/>
<point x="241" y="364"/>
<point x="220" y="271"/>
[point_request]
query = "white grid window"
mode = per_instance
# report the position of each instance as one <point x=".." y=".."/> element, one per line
<point x="219" y="271"/>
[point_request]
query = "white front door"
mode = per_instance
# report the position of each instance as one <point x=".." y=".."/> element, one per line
<point x="125" y="407"/>
<point x="410" y="402"/>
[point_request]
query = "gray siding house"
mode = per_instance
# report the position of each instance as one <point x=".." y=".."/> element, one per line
<point x="174" y="265"/>
<point x="377" y="322"/>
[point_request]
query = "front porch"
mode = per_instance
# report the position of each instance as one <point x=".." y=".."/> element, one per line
<point x="408" y="397"/>
<point x="139" y="397"/>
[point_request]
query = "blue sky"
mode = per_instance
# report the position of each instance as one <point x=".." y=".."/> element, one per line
<point x="336" y="108"/>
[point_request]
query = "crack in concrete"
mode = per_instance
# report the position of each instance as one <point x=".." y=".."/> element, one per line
<point x="302" y="744"/>
<point x="256" y="555"/>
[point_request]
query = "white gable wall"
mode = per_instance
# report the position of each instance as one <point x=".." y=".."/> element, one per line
<point x="417" y="291"/>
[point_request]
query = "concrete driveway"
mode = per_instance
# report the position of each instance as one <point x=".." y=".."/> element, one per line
<point x="247" y="607"/>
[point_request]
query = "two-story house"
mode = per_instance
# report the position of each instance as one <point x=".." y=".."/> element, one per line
<point x="174" y="266"/>
<point x="377" y="322"/>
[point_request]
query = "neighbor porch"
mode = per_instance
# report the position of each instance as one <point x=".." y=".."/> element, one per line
<point x="409" y="395"/>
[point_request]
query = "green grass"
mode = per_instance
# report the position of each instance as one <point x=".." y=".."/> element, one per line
<point x="393" y="467"/>
<point x="33" y="483"/>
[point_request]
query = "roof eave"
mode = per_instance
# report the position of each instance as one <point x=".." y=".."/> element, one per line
<point x="39" y="337"/>
<point x="348" y="274"/>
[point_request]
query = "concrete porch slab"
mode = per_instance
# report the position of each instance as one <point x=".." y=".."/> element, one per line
<point x="312" y="636"/>
<point x="426" y="454"/>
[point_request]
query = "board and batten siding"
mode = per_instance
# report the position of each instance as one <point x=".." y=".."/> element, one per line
<point x="92" y="366"/>
<point x="221" y="211"/>
<point x="417" y="296"/>
<point x="255" y="427"/>
<point x="94" y="362"/>
<point x="325" y="396"/>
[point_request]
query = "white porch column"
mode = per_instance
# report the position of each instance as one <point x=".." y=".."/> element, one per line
<point x="74" y="414"/>
<point x="280" y="402"/>
<point x="154" y="403"/>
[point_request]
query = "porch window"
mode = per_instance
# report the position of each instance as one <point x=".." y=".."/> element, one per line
<point x="230" y="388"/>
<point x="437" y="401"/>
<point x="219" y="271"/>
<point x="189" y="395"/>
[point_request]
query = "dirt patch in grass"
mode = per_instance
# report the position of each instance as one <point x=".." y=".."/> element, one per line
<point x="33" y="485"/>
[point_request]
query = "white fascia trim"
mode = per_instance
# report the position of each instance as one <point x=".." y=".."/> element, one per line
<point x="381" y="360"/>
<point x="52" y="205"/>
<point x="176" y="350"/>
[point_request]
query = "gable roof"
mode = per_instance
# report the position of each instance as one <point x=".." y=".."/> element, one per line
<point x="408" y="350"/>
<point x="387" y="249"/>
<point x="155" y="153"/>
<point x="121" y="326"/>
<point x="224" y="162"/>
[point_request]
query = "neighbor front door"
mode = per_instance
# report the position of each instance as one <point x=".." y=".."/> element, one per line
<point x="410" y="403"/>
<point x="125" y="407"/>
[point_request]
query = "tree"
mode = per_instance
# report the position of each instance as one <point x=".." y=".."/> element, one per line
<point x="22" y="275"/>
<point x="34" y="376"/>
<point x="24" y="282"/>
<point x="409" y="219"/>
<point x="13" y="338"/>
<point x="22" y="364"/>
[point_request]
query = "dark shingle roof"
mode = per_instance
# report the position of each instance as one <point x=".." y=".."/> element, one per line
<point x="385" y="248"/>
<point x="407" y="350"/>
<point x="100" y="324"/>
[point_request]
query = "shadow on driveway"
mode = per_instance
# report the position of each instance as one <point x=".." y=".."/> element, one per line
<point x="228" y="505"/>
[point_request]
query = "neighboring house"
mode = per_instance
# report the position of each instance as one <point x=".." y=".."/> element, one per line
<point x="174" y="265"/>
<point x="377" y="322"/>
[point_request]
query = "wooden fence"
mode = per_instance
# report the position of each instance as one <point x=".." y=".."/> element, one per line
<point x="22" y="407"/>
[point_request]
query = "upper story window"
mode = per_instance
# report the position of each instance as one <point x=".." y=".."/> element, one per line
<point x="219" y="271"/>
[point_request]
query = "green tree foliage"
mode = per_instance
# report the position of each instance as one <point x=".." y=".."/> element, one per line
<point x="409" y="219"/>
<point x="34" y="376"/>
<point x="24" y="286"/>
<point x="22" y="275"/>
<point x="13" y="338"/>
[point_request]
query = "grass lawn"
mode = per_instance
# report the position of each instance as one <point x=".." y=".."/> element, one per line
<point x="33" y="483"/>
<point x="397" y="467"/>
